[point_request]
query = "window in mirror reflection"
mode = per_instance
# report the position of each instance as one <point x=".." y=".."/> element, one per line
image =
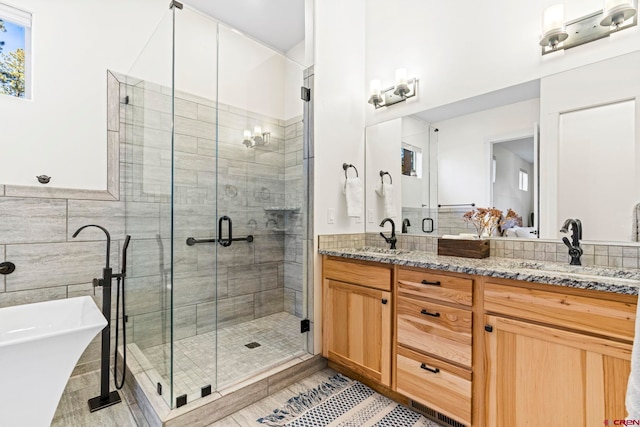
<point x="523" y="180"/>
<point x="493" y="170"/>
<point x="411" y="158"/>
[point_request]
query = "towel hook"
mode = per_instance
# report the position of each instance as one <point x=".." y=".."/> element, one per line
<point x="382" y="174"/>
<point x="346" y="166"/>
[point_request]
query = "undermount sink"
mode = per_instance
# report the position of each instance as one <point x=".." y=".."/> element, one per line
<point x="584" y="272"/>
<point x="40" y="344"/>
<point x="372" y="251"/>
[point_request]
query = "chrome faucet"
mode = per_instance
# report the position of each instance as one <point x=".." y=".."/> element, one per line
<point x="575" y="251"/>
<point x="405" y="224"/>
<point x="392" y="239"/>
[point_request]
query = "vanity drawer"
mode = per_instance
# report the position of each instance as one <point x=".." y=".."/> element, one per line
<point x="613" y="319"/>
<point x="370" y="275"/>
<point x="438" y="286"/>
<point x="435" y="329"/>
<point x="434" y="383"/>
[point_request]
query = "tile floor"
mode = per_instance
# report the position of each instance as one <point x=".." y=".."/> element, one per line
<point x="195" y="357"/>
<point x="74" y="412"/>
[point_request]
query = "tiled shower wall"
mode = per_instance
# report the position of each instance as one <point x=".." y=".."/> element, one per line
<point x="293" y="216"/>
<point x="36" y="226"/>
<point x="252" y="279"/>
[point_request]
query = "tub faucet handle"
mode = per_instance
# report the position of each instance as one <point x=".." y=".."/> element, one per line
<point x="97" y="282"/>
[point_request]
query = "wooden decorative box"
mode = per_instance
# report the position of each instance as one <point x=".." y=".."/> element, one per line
<point x="479" y="248"/>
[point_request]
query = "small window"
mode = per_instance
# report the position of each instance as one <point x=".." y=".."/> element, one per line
<point x="411" y="159"/>
<point x="15" y="52"/>
<point x="523" y="180"/>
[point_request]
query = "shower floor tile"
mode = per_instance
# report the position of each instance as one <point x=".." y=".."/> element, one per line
<point x="196" y="357"/>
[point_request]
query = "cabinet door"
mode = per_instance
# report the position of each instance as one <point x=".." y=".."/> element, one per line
<point x="538" y="375"/>
<point x="357" y="329"/>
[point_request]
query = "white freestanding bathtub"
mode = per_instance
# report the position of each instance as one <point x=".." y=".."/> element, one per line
<point x="40" y="344"/>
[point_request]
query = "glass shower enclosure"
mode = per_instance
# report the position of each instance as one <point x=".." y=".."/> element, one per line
<point x="215" y="204"/>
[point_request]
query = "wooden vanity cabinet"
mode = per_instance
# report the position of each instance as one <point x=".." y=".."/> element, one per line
<point x="480" y="351"/>
<point x="434" y="341"/>
<point x="357" y="307"/>
<point x="555" y="358"/>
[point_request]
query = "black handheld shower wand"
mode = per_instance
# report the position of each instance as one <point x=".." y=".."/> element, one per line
<point x="120" y="286"/>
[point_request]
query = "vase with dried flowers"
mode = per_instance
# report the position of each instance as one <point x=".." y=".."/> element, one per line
<point x="485" y="220"/>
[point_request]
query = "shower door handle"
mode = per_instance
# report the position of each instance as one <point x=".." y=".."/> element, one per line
<point x="225" y="242"/>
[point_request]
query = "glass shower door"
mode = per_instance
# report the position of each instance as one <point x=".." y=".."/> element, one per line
<point x="260" y="187"/>
<point x="195" y="207"/>
<point x="146" y="189"/>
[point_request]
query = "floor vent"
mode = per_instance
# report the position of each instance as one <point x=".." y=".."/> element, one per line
<point x="252" y="345"/>
<point x="434" y="415"/>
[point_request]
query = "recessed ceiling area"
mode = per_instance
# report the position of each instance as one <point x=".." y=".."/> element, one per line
<point x="277" y="23"/>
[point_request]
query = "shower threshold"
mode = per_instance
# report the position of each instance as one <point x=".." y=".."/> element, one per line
<point x="245" y="372"/>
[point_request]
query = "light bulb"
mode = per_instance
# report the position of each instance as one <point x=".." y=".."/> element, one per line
<point x="401" y="76"/>
<point x="553" y="18"/>
<point x="374" y="88"/>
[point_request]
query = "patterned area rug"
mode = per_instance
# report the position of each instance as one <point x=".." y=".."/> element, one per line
<point x="341" y="402"/>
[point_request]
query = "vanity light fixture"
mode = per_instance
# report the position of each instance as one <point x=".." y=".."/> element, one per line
<point x="558" y="35"/>
<point x="257" y="138"/>
<point x="403" y="89"/>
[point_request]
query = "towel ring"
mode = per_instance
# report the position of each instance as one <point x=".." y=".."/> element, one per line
<point x="346" y="166"/>
<point x="382" y="174"/>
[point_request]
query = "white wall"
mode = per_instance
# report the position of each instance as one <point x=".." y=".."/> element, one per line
<point x="339" y="103"/>
<point x="464" y="165"/>
<point x="587" y="88"/>
<point x="383" y="153"/>
<point x="61" y="132"/>
<point x="596" y="177"/>
<point x="459" y="50"/>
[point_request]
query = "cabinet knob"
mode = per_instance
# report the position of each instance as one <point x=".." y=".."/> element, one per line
<point x="384" y="300"/>
<point x="488" y="328"/>
<point x="426" y="282"/>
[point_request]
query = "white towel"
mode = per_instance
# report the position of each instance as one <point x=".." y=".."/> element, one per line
<point x="386" y="192"/>
<point x="353" y="192"/>
<point x="633" y="388"/>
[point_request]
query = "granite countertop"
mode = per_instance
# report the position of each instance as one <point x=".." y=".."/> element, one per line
<point x="623" y="281"/>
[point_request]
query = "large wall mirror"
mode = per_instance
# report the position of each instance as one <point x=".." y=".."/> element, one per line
<point x="564" y="146"/>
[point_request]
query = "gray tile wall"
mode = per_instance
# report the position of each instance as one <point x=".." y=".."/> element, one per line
<point x="257" y="188"/>
<point x="450" y="221"/>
